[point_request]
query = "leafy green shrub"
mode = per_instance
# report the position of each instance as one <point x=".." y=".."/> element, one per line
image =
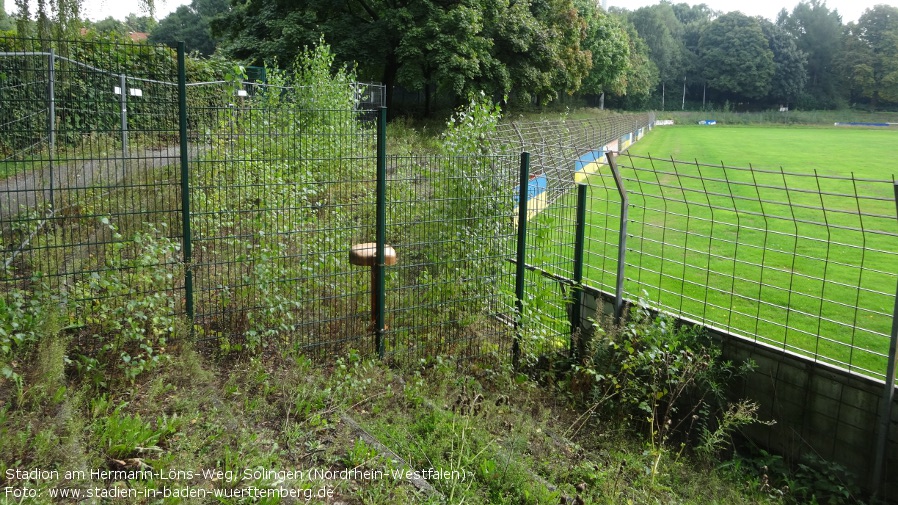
<point x="477" y="195"/>
<point x="123" y="435"/>
<point x="277" y="205"/>
<point x="810" y="480"/>
<point x="128" y="309"/>
<point x="666" y="377"/>
<point x="24" y="316"/>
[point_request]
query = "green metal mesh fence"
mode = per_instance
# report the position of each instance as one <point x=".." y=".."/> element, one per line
<point x="450" y="220"/>
<point x="278" y="196"/>
<point x="149" y="201"/>
<point x="797" y="261"/>
<point x="89" y="198"/>
<point x="563" y="154"/>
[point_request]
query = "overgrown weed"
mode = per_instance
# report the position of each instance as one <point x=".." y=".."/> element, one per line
<point x="481" y="434"/>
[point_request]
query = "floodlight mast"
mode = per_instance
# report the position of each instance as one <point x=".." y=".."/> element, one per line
<point x="683" y="107"/>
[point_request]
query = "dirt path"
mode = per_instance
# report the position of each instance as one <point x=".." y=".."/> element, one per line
<point x="35" y="188"/>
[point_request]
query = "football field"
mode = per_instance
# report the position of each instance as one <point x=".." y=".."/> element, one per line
<point x="785" y="235"/>
<point x="867" y="152"/>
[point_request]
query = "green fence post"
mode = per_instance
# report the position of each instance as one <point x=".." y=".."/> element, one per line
<point x="521" y="256"/>
<point x="380" y="232"/>
<point x="577" y="343"/>
<point x="185" y="185"/>
<point x="51" y="121"/>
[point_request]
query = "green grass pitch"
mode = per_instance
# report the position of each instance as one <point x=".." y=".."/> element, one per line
<point x="793" y="242"/>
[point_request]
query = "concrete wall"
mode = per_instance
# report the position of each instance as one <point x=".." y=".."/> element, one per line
<point x="819" y="409"/>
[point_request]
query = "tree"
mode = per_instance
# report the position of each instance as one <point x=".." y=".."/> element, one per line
<point x="527" y="49"/>
<point x="736" y="58"/>
<point x="699" y="14"/>
<point x="817" y="31"/>
<point x="663" y="33"/>
<point x="191" y="25"/>
<point x="854" y="65"/>
<point x="635" y="86"/>
<point x="694" y="19"/>
<point x="538" y="44"/>
<point x="58" y="19"/>
<point x="110" y="25"/>
<point x="609" y="46"/>
<point x="6" y="22"/>
<point x="136" y="23"/>
<point x="274" y="32"/>
<point x="790" y="74"/>
<point x="446" y="49"/>
<point x="869" y="58"/>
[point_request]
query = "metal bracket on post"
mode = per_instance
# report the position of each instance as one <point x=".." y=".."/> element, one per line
<point x="622" y="237"/>
<point x="368" y="255"/>
<point x="888" y="397"/>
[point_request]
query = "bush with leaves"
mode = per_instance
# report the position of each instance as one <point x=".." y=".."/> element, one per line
<point x="128" y="309"/>
<point x="476" y="189"/>
<point x="666" y="377"/>
<point x="279" y="202"/>
<point x="457" y="220"/>
<point x="24" y="316"/>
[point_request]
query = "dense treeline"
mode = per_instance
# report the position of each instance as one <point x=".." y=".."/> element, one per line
<point x="529" y="51"/>
<point x="807" y="58"/>
<point x="665" y="56"/>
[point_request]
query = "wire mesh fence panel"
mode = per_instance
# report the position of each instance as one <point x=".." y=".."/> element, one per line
<point x="93" y="206"/>
<point x="278" y="191"/>
<point x="563" y="154"/>
<point x="25" y="93"/>
<point x="449" y="219"/>
<point x="91" y="201"/>
<point x="802" y="261"/>
<point x="279" y="197"/>
<point x="559" y="149"/>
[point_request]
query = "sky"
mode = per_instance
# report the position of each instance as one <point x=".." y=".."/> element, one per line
<point x="96" y="10"/>
<point x="850" y="10"/>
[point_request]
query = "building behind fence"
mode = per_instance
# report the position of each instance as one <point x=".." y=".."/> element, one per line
<point x="133" y="189"/>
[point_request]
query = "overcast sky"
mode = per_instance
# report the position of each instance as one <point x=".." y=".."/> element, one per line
<point x="849" y="9"/>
